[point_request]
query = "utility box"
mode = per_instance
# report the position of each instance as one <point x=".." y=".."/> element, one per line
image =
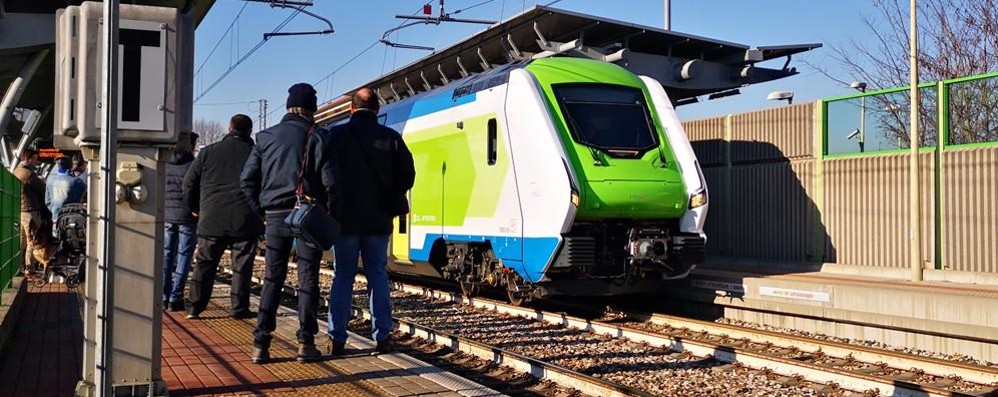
<point x="155" y="79"/>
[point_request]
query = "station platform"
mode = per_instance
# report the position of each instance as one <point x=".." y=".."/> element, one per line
<point x="946" y="317"/>
<point x="210" y="356"/>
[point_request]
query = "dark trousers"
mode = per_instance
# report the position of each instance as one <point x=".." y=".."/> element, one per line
<point x="209" y="253"/>
<point x="279" y="244"/>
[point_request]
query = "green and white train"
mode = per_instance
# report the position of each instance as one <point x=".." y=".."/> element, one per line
<point x="554" y="176"/>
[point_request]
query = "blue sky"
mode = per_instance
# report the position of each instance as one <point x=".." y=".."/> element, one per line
<point x="283" y="61"/>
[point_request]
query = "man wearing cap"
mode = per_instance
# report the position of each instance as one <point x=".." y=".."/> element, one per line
<point x="269" y="182"/>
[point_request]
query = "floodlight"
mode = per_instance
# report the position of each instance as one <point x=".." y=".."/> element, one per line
<point x="781" y="96"/>
<point x="858" y="85"/>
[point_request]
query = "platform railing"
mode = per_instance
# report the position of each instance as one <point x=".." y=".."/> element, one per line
<point x="825" y="182"/>
<point x="10" y="232"/>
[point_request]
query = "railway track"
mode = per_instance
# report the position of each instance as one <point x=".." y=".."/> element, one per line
<point x="789" y="364"/>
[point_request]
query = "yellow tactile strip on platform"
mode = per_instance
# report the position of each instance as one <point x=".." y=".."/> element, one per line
<point x="358" y="374"/>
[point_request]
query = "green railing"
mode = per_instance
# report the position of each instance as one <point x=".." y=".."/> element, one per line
<point x="956" y="113"/>
<point x="10" y="233"/>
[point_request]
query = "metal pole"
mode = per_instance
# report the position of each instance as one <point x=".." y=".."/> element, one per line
<point x="108" y="160"/>
<point x="668" y="15"/>
<point x="862" y="124"/>
<point x="915" y="202"/>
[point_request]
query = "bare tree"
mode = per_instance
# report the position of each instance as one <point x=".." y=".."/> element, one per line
<point x="957" y="38"/>
<point x="209" y="131"/>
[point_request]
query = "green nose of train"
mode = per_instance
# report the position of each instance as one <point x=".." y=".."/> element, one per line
<point x="622" y="160"/>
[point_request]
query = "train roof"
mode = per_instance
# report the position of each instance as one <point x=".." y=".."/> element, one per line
<point x="545" y="31"/>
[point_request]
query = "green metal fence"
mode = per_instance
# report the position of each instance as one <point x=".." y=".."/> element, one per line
<point x="10" y="233"/>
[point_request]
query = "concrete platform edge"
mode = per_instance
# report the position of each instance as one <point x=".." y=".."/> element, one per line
<point x="898" y="273"/>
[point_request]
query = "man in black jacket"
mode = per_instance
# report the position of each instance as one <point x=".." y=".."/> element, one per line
<point x="375" y="170"/>
<point x="225" y="220"/>
<point x="180" y="227"/>
<point x="269" y="181"/>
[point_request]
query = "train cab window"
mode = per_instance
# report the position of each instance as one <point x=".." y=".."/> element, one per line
<point x="493" y="138"/>
<point x="607" y="117"/>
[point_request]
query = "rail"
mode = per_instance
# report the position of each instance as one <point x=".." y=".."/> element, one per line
<point x="10" y="232"/>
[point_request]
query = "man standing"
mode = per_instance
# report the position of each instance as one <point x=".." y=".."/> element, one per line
<point x="375" y="170"/>
<point x="36" y="220"/>
<point x="180" y="225"/>
<point x="211" y="189"/>
<point x="269" y="182"/>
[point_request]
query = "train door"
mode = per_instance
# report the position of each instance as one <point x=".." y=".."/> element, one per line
<point x="400" y="238"/>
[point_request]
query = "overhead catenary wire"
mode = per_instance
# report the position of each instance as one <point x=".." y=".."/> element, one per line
<point x="246" y="56"/>
<point x="356" y="56"/>
<point x="219" y="42"/>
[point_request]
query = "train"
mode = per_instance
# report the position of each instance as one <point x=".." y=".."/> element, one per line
<point x="548" y="177"/>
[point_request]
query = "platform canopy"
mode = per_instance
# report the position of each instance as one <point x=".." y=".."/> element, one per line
<point x="685" y="64"/>
<point x="27" y="31"/>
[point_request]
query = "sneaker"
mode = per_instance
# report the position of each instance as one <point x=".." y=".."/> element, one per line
<point x="309" y="354"/>
<point x="260" y="356"/>
<point x="177" y="306"/>
<point x="193" y="315"/>
<point x="384" y="347"/>
<point x="335" y="348"/>
<point x="243" y="315"/>
<point x="166" y="305"/>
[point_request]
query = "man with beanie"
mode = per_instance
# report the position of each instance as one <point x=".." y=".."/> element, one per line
<point x="269" y="182"/>
<point x="225" y="219"/>
<point x="180" y="226"/>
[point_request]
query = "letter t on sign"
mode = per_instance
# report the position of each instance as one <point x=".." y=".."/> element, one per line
<point x="132" y="41"/>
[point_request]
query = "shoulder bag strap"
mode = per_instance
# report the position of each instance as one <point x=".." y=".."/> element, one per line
<point x="300" y="190"/>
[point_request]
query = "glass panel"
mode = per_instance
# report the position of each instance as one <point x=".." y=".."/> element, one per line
<point x="973" y="111"/>
<point x="606" y="116"/>
<point x="880" y="122"/>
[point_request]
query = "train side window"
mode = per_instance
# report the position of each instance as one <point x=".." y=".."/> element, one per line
<point x="493" y="141"/>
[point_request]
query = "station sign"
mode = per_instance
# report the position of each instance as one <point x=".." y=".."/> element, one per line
<point x="155" y="74"/>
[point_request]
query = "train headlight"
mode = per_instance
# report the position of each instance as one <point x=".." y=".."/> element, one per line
<point x="698" y="199"/>
<point x="575" y="198"/>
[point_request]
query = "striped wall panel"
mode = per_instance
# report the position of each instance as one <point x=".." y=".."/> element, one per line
<point x="866" y="210"/>
<point x="970" y="209"/>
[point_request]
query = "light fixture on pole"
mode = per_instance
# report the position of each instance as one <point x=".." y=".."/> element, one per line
<point x="861" y="87"/>
<point x="781" y="96"/>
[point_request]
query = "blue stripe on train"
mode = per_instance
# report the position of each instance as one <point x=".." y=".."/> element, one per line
<point x="527" y="256"/>
<point x="401" y="112"/>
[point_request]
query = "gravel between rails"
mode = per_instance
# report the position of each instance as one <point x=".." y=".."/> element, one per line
<point x="642" y="366"/>
<point x="651" y="369"/>
<point x="861" y="342"/>
<point x="631" y="364"/>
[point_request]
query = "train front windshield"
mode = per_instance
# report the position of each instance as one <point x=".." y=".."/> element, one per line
<point x="607" y="117"/>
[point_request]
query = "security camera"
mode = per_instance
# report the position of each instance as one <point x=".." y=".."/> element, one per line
<point x="853" y="134"/>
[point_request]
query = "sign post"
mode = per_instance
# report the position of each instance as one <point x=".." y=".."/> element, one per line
<point x="124" y="97"/>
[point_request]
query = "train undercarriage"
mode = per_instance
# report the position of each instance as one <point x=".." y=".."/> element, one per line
<point x="594" y="259"/>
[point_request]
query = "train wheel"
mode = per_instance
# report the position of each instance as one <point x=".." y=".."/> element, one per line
<point x="469" y="289"/>
<point x="518" y="298"/>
